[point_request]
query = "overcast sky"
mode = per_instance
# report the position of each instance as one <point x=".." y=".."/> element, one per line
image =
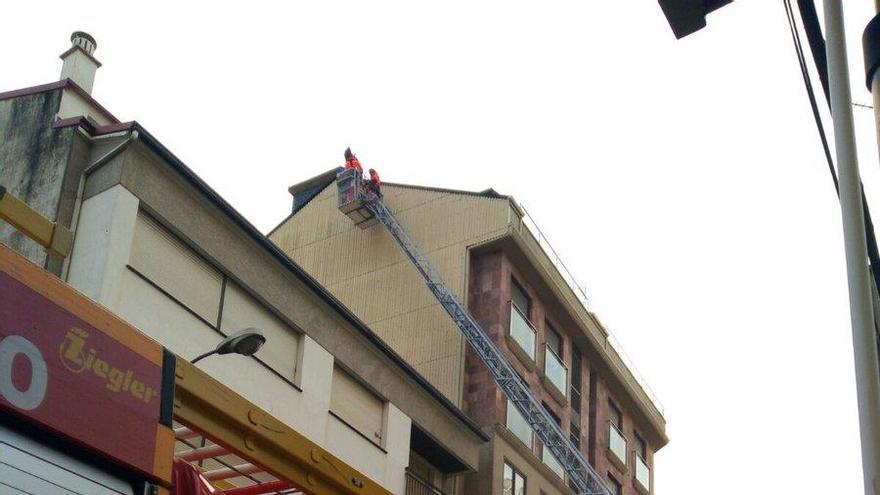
<point x="682" y="181"/>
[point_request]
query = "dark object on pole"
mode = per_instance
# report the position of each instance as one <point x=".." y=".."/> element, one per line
<point x="688" y="16"/>
<point x="245" y="342"/>
<point x="871" y="47"/>
<point x="816" y="41"/>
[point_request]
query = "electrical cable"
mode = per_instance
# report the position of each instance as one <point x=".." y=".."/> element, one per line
<point x="798" y="48"/>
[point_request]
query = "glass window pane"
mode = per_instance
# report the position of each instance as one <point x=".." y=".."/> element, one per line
<point x="554" y="340"/>
<point x="519" y="298"/>
<point x="518" y="425"/>
<point x="519" y="484"/>
<point x="643" y="474"/>
<point x="522" y="333"/>
<point x="507" y="482"/>
<point x="614" y="414"/>
<point x="641" y="447"/>
<point x="555" y="371"/>
<point x="617" y="443"/>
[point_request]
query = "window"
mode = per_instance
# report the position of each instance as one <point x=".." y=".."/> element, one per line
<point x="553" y="339"/>
<point x="514" y="483"/>
<point x="576" y="380"/>
<point x="614" y="485"/>
<point x="554" y="369"/>
<point x="519" y="298"/>
<point x="641" y="447"/>
<point x="355" y="405"/>
<point x="642" y="472"/>
<point x="518" y="425"/>
<point x="521" y="333"/>
<point x="614" y="415"/>
<point x="616" y="440"/>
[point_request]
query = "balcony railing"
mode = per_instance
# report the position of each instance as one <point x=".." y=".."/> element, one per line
<point x="522" y="333"/>
<point x="617" y="443"/>
<point x="643" y="474"/>
<point x="555" y="370"/>
<point x="417" y="486"/>
<point x="518" y="425"/>
<point x="552" y="463"/>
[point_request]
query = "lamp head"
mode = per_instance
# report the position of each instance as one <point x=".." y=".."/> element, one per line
<point x="245" y="342"/>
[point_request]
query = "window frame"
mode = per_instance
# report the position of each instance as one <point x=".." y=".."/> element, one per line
<point x="515" y="474"/>
<point x="616" y="486"/>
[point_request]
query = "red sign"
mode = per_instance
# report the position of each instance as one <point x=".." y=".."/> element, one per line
<point x="64" y="374"/>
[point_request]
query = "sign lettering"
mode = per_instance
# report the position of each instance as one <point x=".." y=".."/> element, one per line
<point x="30" y="398"/>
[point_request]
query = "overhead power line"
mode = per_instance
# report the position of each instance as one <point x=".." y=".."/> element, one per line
<point x="811" y="95"/>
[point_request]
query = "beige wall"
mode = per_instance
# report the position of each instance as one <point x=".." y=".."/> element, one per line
<point x="74" y="105"/>
<point x="370" y="275"/>
<point x="165" y="191"/>
<point x="301" y="400"/>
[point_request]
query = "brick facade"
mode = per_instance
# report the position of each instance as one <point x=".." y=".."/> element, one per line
<point x="489" y="294"/>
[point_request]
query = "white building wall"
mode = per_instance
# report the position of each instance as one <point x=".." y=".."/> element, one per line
<point x="99" y="268"/>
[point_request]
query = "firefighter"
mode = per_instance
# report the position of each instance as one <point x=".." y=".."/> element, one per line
<point x="372" y="184"/>
<point x="351" y="161"/>
<point x="375" y="182"/>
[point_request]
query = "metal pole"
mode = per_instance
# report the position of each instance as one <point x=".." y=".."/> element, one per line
<point x="860" y="305"/>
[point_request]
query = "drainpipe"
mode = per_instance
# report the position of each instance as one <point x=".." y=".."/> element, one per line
<point x="77" y="205"/>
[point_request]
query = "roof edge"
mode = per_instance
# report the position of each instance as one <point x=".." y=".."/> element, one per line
<point x="62" y="84"/>
<point x="486" y="193"/>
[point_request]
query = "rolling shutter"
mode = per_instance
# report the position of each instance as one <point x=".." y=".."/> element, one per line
<point x="356" y="405"/>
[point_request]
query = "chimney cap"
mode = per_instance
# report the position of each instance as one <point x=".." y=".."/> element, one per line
<point x="85" y="41"/>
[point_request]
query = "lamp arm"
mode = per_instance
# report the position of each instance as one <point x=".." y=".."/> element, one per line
<point x="202" y="356"/>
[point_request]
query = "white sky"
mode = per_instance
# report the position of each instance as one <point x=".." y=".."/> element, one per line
<point x="682" y="181"/>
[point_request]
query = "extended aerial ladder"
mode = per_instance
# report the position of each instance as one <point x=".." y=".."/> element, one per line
<point x="365" y="208"/>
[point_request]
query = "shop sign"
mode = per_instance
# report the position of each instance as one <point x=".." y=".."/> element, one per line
<point x="63" y="374"/>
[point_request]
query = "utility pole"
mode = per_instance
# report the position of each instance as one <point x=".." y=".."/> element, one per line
<point x="861" y="310"/>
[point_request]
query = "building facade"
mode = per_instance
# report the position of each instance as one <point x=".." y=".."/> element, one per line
<point x="490" y="258"/>
<point x="154" y="245"/>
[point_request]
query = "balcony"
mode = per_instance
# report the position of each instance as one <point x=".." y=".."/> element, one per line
<point x="643" y="475"/>
<point x="616" y="446"/>
<point x="552" y="463"/>
<point x="555" y="375"/>
<point x="522" y="337"/>
<point x="417" y="486"/>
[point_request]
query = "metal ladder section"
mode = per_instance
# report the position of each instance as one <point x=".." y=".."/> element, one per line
<point x="584" y="478"/>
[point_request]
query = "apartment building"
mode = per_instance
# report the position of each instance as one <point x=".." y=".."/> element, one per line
<point x="513" y="285"/>
<point x="156" y="246"/>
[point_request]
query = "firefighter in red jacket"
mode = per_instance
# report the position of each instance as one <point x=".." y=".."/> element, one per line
<point x="374" y="182"/>
<point x="351" y="161"/>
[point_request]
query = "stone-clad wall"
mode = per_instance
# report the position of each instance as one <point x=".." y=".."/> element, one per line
<point x="33" y="162"/>
<point x="489" y="302"/>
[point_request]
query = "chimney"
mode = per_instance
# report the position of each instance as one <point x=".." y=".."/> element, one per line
<point x="79" y="63"/>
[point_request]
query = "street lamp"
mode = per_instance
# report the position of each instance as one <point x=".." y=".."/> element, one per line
<point x="688" y="16"/>
<point x="245" y="342"/>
